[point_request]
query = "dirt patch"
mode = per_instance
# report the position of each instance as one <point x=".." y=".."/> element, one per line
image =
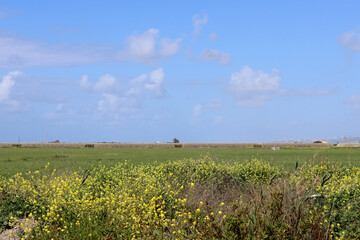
<point x="19" y="228"/>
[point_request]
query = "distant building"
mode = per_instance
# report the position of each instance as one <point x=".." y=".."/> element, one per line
<point x="320" y="141"/>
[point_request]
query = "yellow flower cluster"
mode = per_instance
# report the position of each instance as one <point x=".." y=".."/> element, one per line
<point x="125" y="201"/>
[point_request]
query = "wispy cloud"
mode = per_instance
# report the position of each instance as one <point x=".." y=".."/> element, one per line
<point x="310" y="92"/>
<point x="222" y="58"/>
<point x="17" y="52"/>
<point x="84" y="82"/>
<point x="213" y="36"/>
<point x="218" y="120"/>
<point x="4" y="11"/>
<point x="253" y="88"/>
<point x="201" y="110"/>
<point x="214" y="104"/>
<point x="198" y="22"/>
<point x="351" y="40"/>
<point x="20" y="52"/>
<point x="354" y="101"/>
<point x="61" y="114"/>
<point x="196" y="114"/>
<point x="62" y="30"/>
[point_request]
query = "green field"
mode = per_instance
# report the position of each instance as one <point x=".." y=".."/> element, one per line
<point x="15" y="160"/>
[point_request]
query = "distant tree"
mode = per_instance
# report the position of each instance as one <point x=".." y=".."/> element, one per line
<point x="175" y="140"/>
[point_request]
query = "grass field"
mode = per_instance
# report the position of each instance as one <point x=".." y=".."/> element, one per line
<point x="15" y="160"/>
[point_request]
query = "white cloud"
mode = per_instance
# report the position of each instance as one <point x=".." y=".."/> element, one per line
<point x="222" y="58"/>
<point x="155" y="82"/>
<point x="8" y="81"/>
<point x="145" y="47"/>
<point x="198" y="22"/>
<point x="152" y="82"/>
<point x="169" y="47"/>
<point x="254" y="88"/>
<point x="354" y="100"/>
<point x="106" y="83"/>
<point x="6" y="85"/>
<point x="351" y="40"/>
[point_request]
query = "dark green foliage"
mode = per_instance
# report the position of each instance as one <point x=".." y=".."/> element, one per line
<point x="11" y="206"/>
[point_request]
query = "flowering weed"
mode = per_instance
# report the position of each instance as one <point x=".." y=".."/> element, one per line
<point x="186" y="199"/>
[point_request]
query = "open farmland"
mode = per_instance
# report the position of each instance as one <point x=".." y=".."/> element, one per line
<point x="15" y="160"/>
<point x="180" y="193"/>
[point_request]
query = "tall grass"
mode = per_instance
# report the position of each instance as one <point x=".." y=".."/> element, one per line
<point x="191" y="198"/>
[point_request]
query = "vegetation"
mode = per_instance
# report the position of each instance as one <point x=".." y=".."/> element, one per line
<point x="22" y="160"/>
<point x="187" y="199"/>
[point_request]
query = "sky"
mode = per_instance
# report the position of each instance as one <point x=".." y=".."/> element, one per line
<point x="199" y="71"/>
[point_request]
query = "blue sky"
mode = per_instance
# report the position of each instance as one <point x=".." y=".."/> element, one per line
<point x="200" y="71"/>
